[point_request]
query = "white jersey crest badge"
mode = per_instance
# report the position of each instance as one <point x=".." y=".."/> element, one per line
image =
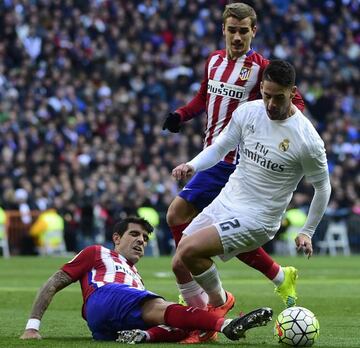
<point x="284" y="145"/>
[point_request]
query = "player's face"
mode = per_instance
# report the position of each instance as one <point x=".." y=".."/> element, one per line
<point x="238" y="36"/>
<point x="132" y="243"/>
<point x="277" y="99"/>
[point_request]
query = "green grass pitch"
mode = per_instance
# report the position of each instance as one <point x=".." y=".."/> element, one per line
<point x="330" y="287"/>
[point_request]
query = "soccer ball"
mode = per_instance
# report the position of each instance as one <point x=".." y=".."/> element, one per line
<point x="296" y="326"/>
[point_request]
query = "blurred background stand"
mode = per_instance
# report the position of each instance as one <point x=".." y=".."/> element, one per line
<point x="150" y="214"/>
<point x="336" y="239"/>
<point x="4" y="245"/>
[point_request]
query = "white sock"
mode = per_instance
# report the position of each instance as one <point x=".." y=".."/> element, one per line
<point x="210" y="282"/>
<point x="279" y="278"/>
<point x="225" y="323"/>
<point x="147" y="336"/>
<point x="193" y="294"/>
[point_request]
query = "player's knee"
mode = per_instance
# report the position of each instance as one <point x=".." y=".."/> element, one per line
<point x="170" y="216"/>
<point x="177" y="265"/>
<point x="153" y="311"/>
<point x="173" y="216"/>
<point x="186" y="252"/>
<point x="180" y="212"/>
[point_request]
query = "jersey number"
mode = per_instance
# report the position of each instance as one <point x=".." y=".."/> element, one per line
<point x="234" y="223"/>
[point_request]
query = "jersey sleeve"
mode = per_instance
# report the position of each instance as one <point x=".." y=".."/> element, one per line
<point x="231" y="136"/>
<point x="197" y="105"/>
<point x="228" y="140"/>
<point x="81" y="263"/>
<point x="314" y="161"/>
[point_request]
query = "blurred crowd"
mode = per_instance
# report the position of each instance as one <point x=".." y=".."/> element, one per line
<point x="86" y="85"/>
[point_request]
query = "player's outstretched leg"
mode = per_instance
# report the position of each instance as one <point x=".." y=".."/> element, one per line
<point x="287" y="290"/>
<point x="199" y="336"/>
<point x="235" y="329"/>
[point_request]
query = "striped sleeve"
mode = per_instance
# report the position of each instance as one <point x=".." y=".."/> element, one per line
<point x="81" y="263"/>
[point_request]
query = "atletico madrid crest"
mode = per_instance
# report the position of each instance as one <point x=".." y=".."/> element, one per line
<point x="244" y="73"/>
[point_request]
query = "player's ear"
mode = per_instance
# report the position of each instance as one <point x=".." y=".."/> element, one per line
<point x="293" y="92"/>
<point x="116" y="238"/>
<point x="254" y="29"/>
<point x="261" y="87"/>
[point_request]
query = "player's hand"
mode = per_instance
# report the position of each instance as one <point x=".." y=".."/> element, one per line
<point x="303" y="243"/>
<point x="30" y="334"/>
<point x="183" y="171"/>
<point x="172" y="122"/>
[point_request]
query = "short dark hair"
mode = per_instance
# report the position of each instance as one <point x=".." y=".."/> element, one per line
<point x="240" y="11"/>
<point x="121" y="226"/>
<point x="281" y="72"/>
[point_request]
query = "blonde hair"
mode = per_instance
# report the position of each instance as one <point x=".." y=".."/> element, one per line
<point x="240" y="11"/>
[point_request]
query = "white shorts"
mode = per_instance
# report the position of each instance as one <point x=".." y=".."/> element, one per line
<point x="238" y="231"/>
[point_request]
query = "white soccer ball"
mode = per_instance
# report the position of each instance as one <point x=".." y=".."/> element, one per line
<point x="296" y="326"/>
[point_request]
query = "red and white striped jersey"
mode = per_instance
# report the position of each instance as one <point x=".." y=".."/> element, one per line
<point x="96" y="266"/>
<point x="227" y="83"/>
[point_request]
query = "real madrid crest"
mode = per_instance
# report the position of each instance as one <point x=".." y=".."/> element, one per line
<point x="244" y="73"/>
<point x="284" y="145"/>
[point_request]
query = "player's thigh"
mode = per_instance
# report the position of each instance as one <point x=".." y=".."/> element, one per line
<point x="201" y="237"/>
<point x="114" y="307"/>
<point x="153" y="311"/>
<point x="180" y="212"/>
<point x="205" y="242"/>
<point x="241" y="234"/>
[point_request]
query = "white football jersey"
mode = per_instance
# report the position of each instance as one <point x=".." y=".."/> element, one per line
<point x="274" y="156"/>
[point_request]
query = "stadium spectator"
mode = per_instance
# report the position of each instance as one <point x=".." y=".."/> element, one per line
<point x="4" y="244"/>
<point x="117" y="299"/>
<point x="232" y="77"/>
<point x="86" y="96"/>
<point x="278" y="146"/>
<point x="48" y="232"/>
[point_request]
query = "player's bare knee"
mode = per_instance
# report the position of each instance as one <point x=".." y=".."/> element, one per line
<point x="176" y="216"/>
<point x="172" y="217"/>
<point x="187" y="251"/>
<point x="176" y="264"/>
<point x="180" y="212"/>
<point x="153" y="311"/>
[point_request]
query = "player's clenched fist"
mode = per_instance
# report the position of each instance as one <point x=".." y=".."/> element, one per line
<point x="172" y="122"/>
<point x="182" y="171"/>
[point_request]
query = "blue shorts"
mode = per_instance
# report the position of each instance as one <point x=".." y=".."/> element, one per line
<point x="204" y="186"/>
<point x="115" y="307"/>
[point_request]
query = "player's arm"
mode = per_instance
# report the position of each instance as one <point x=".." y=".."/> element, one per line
<point x="318" y="176"/>
<point x="194" y="108"/>
<point x="228" y="139"/>
<point x="55" y="283"/>
<point x="69" y="273"/>
<point x="197" y="105"/>
<point x="205" y="159"/>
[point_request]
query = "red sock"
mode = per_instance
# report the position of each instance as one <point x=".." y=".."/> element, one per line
<point x="166" y="334"/>
<point x="177" y="232"/>
<point x="192" y="318"/>
<point x="260" y="260"/>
